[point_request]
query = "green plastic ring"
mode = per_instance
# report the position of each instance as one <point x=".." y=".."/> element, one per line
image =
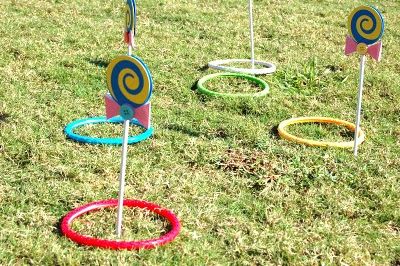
<point x="202" y="89"/>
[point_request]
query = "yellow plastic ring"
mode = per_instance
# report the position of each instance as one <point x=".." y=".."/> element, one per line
<point x="300" y="120"/>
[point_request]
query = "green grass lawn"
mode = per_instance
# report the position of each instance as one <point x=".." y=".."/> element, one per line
<point x="243" y="195"/>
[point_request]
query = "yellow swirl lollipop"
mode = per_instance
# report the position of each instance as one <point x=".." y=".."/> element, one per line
<point x="366" y="25"/>
<point x="130" y="16"/>
<point x="129" y="81"/>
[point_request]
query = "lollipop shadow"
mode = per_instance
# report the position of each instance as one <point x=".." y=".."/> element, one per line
<point x="98" y="62"/>
<point x="184" y="130"/>
<point x="4" y="117"/>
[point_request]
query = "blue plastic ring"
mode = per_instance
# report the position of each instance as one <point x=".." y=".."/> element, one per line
<point x="69" y="131"/>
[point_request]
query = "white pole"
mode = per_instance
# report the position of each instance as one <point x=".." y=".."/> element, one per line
<point x="360" y="91"/>
<point x="251" y="33"/>
<point x="131" y="45"/>
<point x="122" y="178"/>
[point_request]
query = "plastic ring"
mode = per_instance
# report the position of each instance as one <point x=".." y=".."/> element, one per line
<point x="114" y="244"/>
<point x="69" y="131"/>
<point x="349" y="144"/>
<point x="201" y="88"/>
<point x="268" y="68"/>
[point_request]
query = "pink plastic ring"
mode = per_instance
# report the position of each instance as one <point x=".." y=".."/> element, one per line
<point x="114" y="244"/>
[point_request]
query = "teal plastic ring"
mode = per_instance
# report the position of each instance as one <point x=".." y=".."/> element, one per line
<point x="202" y="89"/>
<point x="69" y="131"/>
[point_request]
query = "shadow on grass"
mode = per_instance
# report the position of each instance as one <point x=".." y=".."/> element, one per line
<point x="57" y="227"/>
<point x="203" y="68"/>
<point x="98" y="62"/>
<point x="347" y="134"/>
<point x="274" y="132"/>
<point x="194" y="86"/>
<point x="184" y="130"/>
<point x="202" y="98"/>
<point x="4" y="117"/>
<point x="217" y="133"/>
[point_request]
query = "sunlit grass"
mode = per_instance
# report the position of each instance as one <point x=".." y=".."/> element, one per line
<point x="243" y="195"/>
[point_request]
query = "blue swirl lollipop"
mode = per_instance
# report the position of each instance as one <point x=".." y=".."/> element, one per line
<point x="129" y="81"/>
<point x="366" y="25"/>
<point x="130" y="16"/>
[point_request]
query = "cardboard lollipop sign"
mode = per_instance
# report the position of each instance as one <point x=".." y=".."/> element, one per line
<point x="130" y="23"/>
<point x="129" y="80"/>
<point x="130" y="85"/>
<point x="366" y="27"/>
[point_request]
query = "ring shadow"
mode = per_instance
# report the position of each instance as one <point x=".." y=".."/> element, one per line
<point x="201" y="97"/>
<point x="57" y="227"/>
<point x="203" y="68"/>
<point x="194" y="86"/>
<point x="274" y="132"/>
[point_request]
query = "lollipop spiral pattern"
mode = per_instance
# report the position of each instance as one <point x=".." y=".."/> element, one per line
<point x="130" y="16"/>
<point x="366" y="25"/>
<point x="129" y="81"/>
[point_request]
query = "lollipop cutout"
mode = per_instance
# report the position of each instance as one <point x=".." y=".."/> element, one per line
<point x="130" y="16"/>
<point x="366" y="27"/>
<point x="129" y="81"/>
<point x="130" y="23"/>
<point x="130" y="84"/>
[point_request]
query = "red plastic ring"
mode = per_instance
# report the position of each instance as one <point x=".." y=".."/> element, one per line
<point x="114" y="244"/>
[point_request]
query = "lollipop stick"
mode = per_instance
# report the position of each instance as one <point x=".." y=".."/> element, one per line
<point x="131" y="44"/>
<point x="360" y="90"/>
<point x="130" y="50"/>
<point x="251" y="33"/>
<point x="122" y="178"/>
